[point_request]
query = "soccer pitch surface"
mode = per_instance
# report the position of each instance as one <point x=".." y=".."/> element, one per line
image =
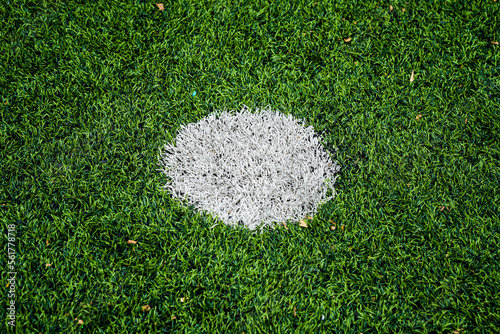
<point x="381" y="215"/>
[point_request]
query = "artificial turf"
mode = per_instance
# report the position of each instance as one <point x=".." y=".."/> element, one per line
<point x="408" y="92"/>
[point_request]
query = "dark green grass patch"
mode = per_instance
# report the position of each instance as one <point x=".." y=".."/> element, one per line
<point x="91" y="89"/>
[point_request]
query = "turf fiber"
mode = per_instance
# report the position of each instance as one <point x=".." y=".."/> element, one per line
<point x="408" y="91"/>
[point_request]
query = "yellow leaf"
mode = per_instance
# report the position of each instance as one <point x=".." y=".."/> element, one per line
<point x="412" y="76"/>
<point x="303" y="223"/>
<point x="342" y="227"/>
<point x="391" y="8"/>
<point x="294" y="311"/>
<point x="146" y="308"/>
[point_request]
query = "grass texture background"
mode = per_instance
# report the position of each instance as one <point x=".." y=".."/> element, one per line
<point x="91" y="89"/>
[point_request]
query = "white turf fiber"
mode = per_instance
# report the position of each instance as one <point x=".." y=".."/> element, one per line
<point x="250" y="169"/>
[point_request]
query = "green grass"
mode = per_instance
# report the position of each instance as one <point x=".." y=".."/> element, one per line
<point x="90" y="90"/>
